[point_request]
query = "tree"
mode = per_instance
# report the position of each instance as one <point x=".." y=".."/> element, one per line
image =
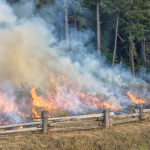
<point x="66" y="26"/>
<point x="132" y="51"/>
<point x="98" y="28"/>
<point x="138" y="17"/>
<point x="115" y="44"/>
<point x="123" y="33"/>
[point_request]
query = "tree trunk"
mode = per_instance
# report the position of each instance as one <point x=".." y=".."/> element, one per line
<point x="143" y="53"/>
<point x="98" y="28"/>
<point x="66" y="26"/>
<point x="131" y="51"/>
<point x="115" y="44"/>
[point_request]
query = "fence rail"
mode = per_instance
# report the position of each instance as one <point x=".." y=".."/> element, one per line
<point x="80" y="122"/>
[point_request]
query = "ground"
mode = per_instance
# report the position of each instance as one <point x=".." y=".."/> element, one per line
<point x="134" y="136"/>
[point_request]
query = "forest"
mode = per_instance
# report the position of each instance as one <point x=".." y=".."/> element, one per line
<point x="121" y="28"/>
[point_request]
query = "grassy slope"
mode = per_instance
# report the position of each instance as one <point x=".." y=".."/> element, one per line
<point x="135" y="136"/>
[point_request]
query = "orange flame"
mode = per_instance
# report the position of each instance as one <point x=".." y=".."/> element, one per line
<point x="7" y="107"/>
<point x="112" y="107"/>
<point x="35" y="114"/>
<point x="40" y="102"/>
<point x="134" y="99"/>
<point x="68" y="98"/>
<point x="20" y="127"/>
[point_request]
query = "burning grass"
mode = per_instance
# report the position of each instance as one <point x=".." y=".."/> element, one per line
<point x="69" y="100"/>
<point x="57" y="105"/>
<point x="134" y="99"/>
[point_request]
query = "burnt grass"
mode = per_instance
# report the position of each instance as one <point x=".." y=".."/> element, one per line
<point x="132" y="136"/>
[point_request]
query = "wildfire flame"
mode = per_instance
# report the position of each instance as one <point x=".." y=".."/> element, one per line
<point x="35" y="114"/>
<point x="112" y="107"/>
<point x="39" y="101"/>
<point x="20" y="127"/>
<point x="50" y="103"/>
<point x="134" y="99"/>
<point x="6" y="107"/>
<point x="69" y="98"/>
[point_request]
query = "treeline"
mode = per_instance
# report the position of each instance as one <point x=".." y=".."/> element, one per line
<point x="122" y="28"/>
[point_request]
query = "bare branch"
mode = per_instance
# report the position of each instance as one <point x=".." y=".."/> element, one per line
<point x="121" y="38"/>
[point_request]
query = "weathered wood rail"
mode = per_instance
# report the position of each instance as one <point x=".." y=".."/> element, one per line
<point x="76" y="123"/>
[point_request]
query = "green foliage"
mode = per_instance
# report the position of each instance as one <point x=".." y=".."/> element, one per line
<point x="134" y="19"/>
<point x="105" y="49"/>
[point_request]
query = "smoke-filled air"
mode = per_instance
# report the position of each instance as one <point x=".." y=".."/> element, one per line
<point x="40" y="69"/>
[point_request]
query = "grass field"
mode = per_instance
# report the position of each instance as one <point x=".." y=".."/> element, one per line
<point x="134" y="136"/>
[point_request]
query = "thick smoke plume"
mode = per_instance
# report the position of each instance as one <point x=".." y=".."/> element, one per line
<point x="30" y="51"/>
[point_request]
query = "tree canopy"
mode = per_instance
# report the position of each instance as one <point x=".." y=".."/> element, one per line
<point x="133" y="30"/>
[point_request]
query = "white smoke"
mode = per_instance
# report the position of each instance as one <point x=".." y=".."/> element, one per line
<point x="30" y="51"/>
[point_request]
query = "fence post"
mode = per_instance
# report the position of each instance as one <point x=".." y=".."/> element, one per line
<point x="44" y="115"/>
<point x="106" y="118"/>
<point x="141" y="111"/>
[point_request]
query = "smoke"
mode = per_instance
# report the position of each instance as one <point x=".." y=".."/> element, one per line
<point x="32" y="51"/>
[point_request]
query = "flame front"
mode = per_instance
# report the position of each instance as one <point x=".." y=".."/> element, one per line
<point x="134" y="99"/>
<point x="65" y="100"/>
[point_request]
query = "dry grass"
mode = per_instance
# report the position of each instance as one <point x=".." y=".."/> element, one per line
<point x="135" y="136"/>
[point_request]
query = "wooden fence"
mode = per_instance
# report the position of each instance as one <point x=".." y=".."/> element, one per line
<point x="76" y="123"/>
